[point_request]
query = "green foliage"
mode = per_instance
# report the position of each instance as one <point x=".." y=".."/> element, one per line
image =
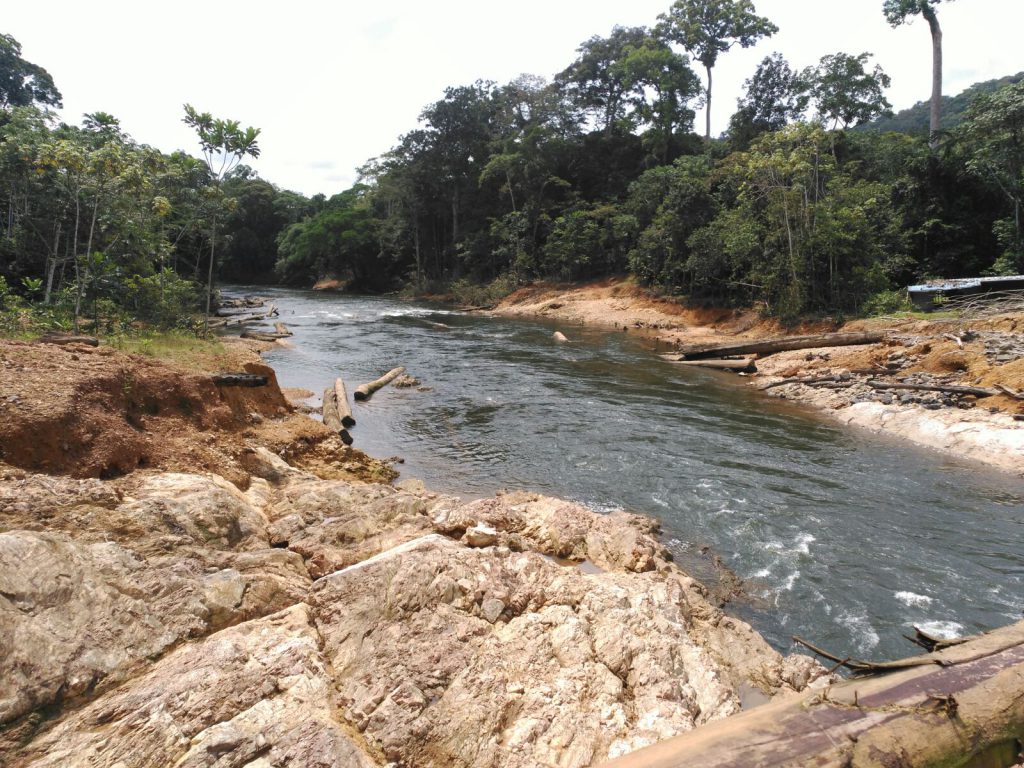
<point x="994" y="129"/>
<point x="887" y="302"/>
<point x="898" y="11"/>
<point x="775" y="96"/>
<point x="595" y="173"/>
<point x="844" y="93"/>
<point x="23" y="84"/>
<point x="709" y="28"/>
<point x="914" y="120"/>
<point x="472" y="294"/>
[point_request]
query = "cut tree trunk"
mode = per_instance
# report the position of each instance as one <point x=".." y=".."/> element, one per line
<point x="958" y="706"/>
<point x="948" y="389"/>
<point x="739" y="366"/>
<point x="771" y="346"/>
<point x="335" y="409"/>
<point x="59" y="338"/>
<point x="365" y="391"/>
<point x="341" y="412"/>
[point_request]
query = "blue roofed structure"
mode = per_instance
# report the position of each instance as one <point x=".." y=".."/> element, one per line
<point x="932" y="294"/>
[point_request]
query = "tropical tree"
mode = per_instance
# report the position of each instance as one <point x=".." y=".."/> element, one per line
<point x="775" y="96"/>
<point x="897" y="12"/>
<point x="844" y="93"/>
<point x="994" y="135"/>
<point x="598" y="83"/>
<point x="708" y="28"/>
<point x="21" y="82"/>
<point x="224" y="144"/>
<point x="664" y="86"/>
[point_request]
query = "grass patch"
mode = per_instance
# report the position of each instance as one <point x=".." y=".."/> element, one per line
<point x="179" y="347"/>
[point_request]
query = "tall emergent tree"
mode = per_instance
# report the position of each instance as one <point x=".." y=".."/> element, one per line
<point x="707" y="28"/>
<point x="896" y="13"/>
<point x="224" y="143"/>
<point x="21" y="82"/>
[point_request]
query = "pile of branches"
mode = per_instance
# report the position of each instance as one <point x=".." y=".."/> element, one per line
<point x="987" y="305"/>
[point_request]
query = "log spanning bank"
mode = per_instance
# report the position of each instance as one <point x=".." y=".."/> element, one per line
<point x="737" y="365"/>
<point x="365" y="391"/>
<point x="959" y="706"/>
<point x="771" y="346"/>
<point x="337" y="415"/>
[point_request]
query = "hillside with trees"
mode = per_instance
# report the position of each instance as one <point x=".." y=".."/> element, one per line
<point x="595" y="171"/>
<point x="914" y="120"/>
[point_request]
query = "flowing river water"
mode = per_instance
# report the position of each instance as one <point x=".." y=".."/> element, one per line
<point x="845" y="538"/>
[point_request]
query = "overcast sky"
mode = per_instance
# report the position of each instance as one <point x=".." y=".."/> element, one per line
<point x="332" y="84"/>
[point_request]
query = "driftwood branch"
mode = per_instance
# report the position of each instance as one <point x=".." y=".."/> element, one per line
<point x="948" y="389"/>
<point x="1009" y="392"/>
<point x="771" y="346"/>
<point x="365" y="391"/>
<point x="959" y="341"/>
<point x="806" y="380"/>
<point x="740" y="366"/>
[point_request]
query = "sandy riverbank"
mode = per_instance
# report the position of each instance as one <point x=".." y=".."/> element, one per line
<point x="991" y="351"/>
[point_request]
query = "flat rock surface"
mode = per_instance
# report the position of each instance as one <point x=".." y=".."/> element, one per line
<point x="172" y="619"/>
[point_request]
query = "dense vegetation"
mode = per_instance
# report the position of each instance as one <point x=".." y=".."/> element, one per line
<point x="596" y="172"/>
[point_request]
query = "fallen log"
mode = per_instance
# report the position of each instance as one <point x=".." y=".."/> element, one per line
<point x="239" y="380"/>
<point x="253" y="318"/>
<point x="264" y="336"/>
<point x="282" y="329"/>
<point x="785" y="344"/>
<point x="61" y="338"/>
<point x="365" y="391"/>
<point x="343" y="407"/>
<point x="739" y="366"/>
<point x="333" y="410"/>
<point x="948" y="389"/>
<point x="805" y="380"/>
<point x="957" y="706"/>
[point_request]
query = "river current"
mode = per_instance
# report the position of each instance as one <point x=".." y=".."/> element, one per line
<point x="845" y="538"/>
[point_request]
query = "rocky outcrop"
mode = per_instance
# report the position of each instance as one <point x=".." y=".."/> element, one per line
<point x="171" y="619"/>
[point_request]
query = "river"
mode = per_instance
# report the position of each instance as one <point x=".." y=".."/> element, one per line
<point x="845" y="538"/>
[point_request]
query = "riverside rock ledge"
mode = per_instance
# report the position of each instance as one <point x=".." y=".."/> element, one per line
<point x="173" y="619"/>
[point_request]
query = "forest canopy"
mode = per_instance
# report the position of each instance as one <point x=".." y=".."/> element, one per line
<point x="815" y="200"/>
